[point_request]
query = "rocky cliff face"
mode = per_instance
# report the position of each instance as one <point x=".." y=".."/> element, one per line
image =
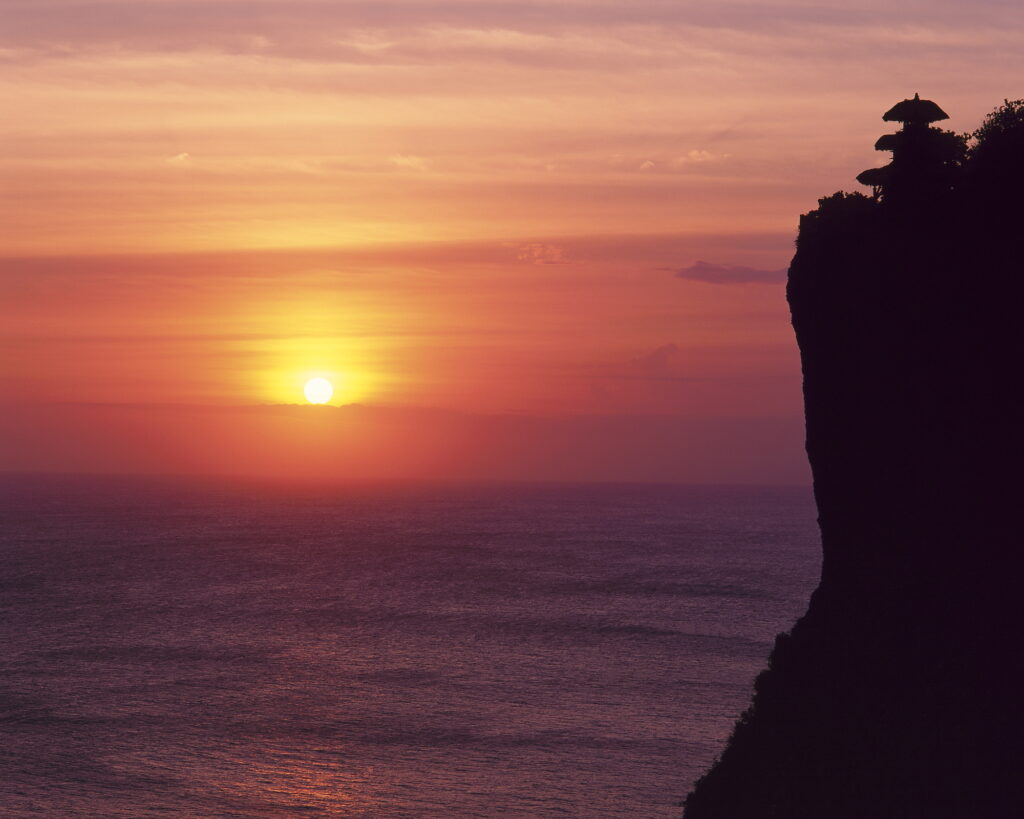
<point x="897" y="694"/>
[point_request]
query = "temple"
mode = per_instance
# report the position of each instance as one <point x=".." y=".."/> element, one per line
<point x="924" y="159"/>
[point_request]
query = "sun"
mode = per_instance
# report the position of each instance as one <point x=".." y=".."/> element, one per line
<point x="318" y="390"/>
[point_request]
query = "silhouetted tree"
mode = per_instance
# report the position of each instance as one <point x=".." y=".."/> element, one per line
<point x="1002" y="130"/>
<point x="995" y="166"/>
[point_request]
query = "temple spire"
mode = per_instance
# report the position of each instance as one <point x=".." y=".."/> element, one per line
<point x="922" y="156"/>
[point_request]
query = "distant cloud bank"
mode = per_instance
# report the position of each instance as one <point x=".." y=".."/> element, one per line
<point x="729" y="274"/>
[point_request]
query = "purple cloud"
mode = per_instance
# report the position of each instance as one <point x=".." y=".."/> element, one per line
<point x="656" y="362"/>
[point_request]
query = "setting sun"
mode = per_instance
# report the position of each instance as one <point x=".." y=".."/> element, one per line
<point x="318" y="390"/>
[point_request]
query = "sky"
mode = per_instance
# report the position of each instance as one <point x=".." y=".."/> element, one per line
<point x="524" y="240"/>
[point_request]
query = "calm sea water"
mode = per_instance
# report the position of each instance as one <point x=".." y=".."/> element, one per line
<point x="241" y="649"/>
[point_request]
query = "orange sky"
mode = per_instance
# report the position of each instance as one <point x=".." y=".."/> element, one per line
<point x="492" y="210"/>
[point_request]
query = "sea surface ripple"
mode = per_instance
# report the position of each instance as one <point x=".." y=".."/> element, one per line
<point x="243" y="649"/>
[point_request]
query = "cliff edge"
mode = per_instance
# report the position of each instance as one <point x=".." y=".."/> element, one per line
<point x="897" y="693"/>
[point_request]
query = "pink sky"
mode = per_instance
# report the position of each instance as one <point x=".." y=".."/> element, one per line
<point x="478" y="210"/>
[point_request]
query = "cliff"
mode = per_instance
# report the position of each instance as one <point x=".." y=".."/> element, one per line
<point x="896" y="695"/>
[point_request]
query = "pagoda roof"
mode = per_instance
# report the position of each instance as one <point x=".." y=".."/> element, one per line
<point x="887" y="142"/>
<point x="875" y="177"/>
<point x="915" y="110"/>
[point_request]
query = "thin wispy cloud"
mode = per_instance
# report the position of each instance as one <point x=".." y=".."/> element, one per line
<point x="542" y="253"/>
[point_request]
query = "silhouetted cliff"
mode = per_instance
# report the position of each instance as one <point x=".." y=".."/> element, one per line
<point x="897" y="694"/>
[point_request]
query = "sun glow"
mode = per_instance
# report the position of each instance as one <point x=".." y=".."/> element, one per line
<point x="318" y="390"/>
<point x="286" y="381"/>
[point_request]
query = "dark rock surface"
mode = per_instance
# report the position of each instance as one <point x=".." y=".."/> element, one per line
<point x="898" y="694"/>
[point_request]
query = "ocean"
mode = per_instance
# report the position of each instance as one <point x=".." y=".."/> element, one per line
<point x="174" y="647"/>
